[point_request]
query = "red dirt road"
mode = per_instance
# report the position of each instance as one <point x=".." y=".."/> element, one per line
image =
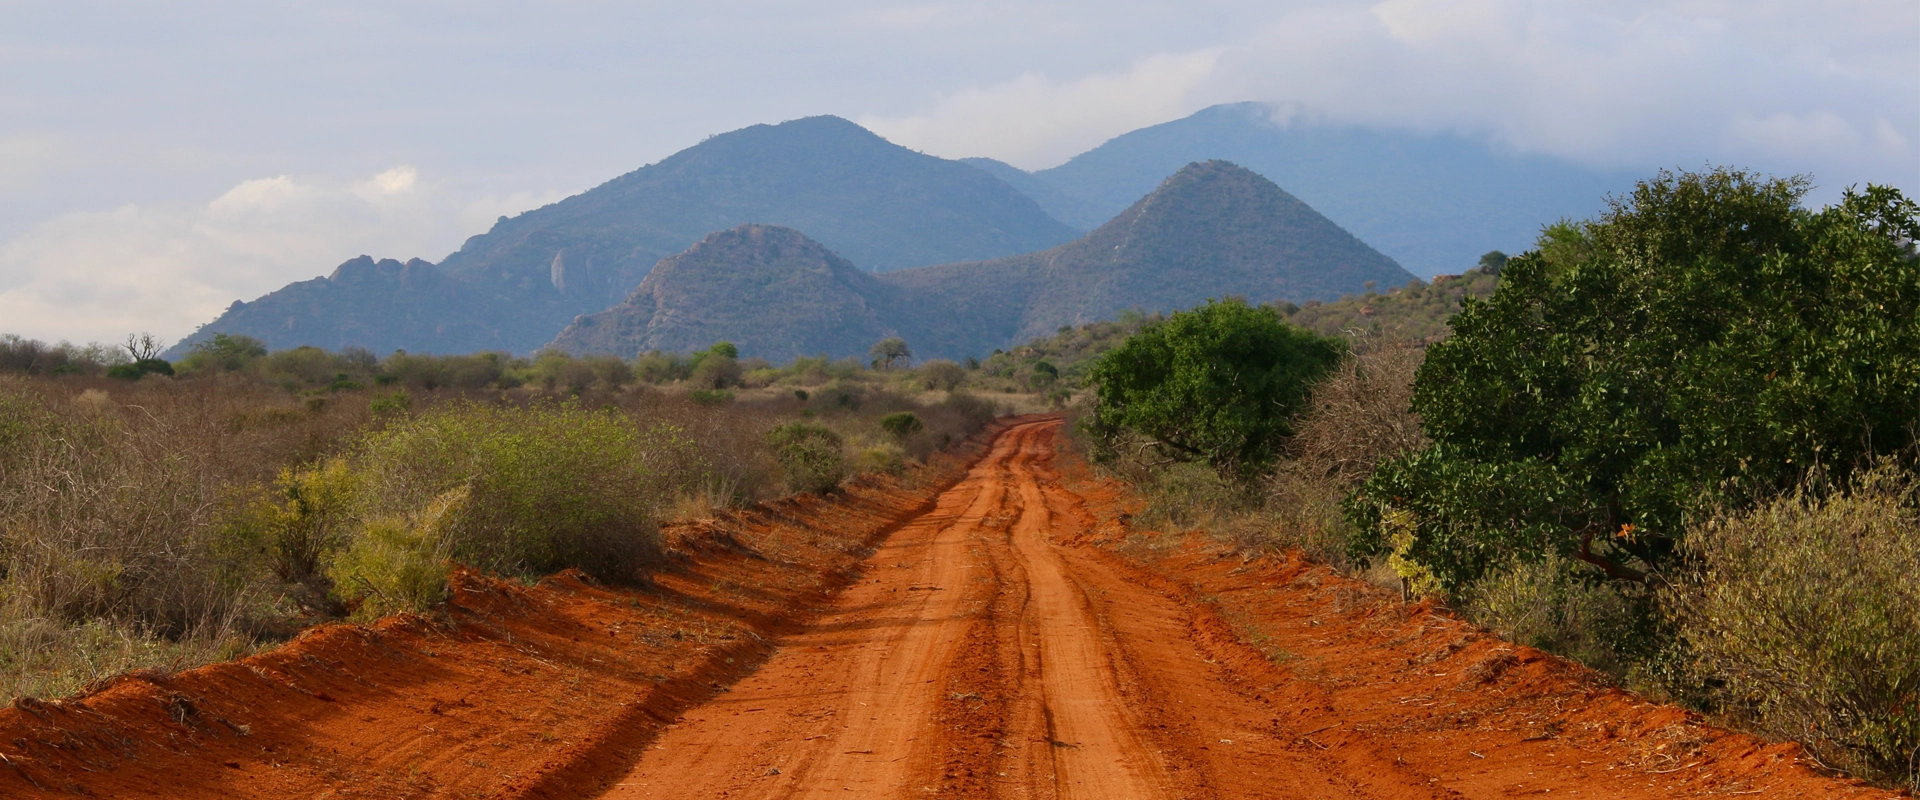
<point x="989" y="652"/>
<point x="985" y="631"/>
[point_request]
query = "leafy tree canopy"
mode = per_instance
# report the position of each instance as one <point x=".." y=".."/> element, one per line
<point x="1217" y="384"/>
<point x="1706" y="340"/>
<point x="889" y="352"/>
<point x="223" y="352"/>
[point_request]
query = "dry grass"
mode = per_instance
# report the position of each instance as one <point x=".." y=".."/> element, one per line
<point x="1805" y="613"/>
<point x="111" y="497"/>
<point x="1357" y="417"/>
<point x="131" y="513"/>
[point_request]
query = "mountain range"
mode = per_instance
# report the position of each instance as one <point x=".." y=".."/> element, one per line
<point x="1212" y="230"/>
<point x="968" y="255"/>
<point x="512" y="288"/>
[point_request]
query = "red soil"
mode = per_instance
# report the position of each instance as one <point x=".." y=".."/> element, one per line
<point x="997" y="634"/>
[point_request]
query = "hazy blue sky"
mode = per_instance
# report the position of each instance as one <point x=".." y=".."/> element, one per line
<point x="159" y="160"/>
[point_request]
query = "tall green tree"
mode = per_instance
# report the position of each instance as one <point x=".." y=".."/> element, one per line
<point x="1218" y="384"/>
<point x="1705" y="341"/>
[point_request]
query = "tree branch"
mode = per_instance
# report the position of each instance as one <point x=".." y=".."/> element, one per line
<point x="1613" y="570"/>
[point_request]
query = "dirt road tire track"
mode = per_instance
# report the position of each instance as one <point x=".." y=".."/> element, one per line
<point x="1069" y="671"/>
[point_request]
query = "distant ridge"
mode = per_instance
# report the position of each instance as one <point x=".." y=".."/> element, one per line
<point x="880" y="205"/>
<point x="1212" y="230"/>
<point x="365" y="303"/>
<point x="1434" y="202"/>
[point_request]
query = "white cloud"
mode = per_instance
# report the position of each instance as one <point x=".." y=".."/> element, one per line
<point x="101" y="275"/>
<point x="164" y="105"/>
<point x="1801" y="87"/>
<point x="1035" y="121"/>
<point x="393" y="182"/>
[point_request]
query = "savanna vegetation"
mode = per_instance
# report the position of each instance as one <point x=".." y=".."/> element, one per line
<point x="163" y="516"/>
<point x="1676" y="442"/>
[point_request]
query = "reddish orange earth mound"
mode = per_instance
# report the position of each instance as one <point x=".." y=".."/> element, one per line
<point x="983" y="631"/>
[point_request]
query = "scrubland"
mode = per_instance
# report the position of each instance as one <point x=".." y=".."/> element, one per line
<point x="157" y="522"/>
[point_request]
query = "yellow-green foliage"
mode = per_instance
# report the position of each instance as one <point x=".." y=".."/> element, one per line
<point x="309" y="516"/>
<point x="810" y="456"/>
<point x="1806" y="610"/>
<point x="1418" y="579"/>
<point x="888" y="458"/>
<point x="552" y="486"/>
<point x="399" y="562"/>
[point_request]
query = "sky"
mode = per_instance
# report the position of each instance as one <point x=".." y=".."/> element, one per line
<point x="159" y="160"/>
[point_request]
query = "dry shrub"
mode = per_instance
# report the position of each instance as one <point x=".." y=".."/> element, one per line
<point x="731" y="466"/>
<point x="1563" y="607"/>
<point x="112" y="536"/>
<point x="161" y="523"/>
<point x="547" y="486"/>
<point x="940" y="374"/>
<point x="811" y="457"/>
<point x="1358" y="416"/>
<point x="1805" y="611"/>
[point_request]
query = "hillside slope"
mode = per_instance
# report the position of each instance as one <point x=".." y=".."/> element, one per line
<point x="384" y="305"/>
<point x="1212" y="230"/>
<point x="771" y="291"/>
<point x="880" y="205"/>
<point x="1432" y="202"/>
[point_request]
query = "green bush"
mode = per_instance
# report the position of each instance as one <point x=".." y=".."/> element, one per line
<point x="1218" y="384"/>
<point x="902" y="424"/>
<point x="475" y="371"/>
<point x="223" y="353"/>
<point x="304" y="366"/>
<point x="549" y="487"/>
<point x="939" y="374"/>
<point x="884" y="458"/>
<point x="401" y="562"/>
<point x="810" y="456"/>
<point x="391" y="403"/>
<point x="140" y="369"/>
<point x="1706" y="339"/>
<point x="1042" y="375"/>
<point x="1805" y="611"/>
